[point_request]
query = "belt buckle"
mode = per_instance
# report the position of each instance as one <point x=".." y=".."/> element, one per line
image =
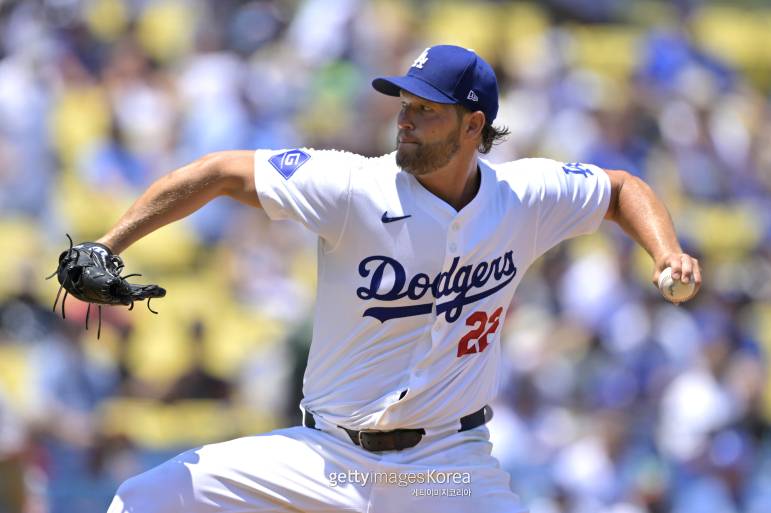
<point x="365" y="432"/>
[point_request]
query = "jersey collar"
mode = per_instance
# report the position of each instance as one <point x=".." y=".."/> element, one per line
<point x="443" y="211"/>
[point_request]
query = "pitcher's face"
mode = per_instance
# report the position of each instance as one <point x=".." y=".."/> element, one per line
<point x="429" y="134"/>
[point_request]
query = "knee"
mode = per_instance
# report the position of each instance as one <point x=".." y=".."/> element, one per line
<point x="125" y="495"/>
<point x="137" y="494"/>
<point x="159" y="490"/>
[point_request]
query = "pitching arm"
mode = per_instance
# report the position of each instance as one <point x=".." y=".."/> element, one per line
<point x="639" y="212"/>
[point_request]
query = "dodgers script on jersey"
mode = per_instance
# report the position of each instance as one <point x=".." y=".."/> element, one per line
<point x="412" y="337"/>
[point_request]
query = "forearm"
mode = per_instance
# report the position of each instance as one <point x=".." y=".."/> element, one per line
<point x="170" y="198"/>
<point x="644" y="217"/>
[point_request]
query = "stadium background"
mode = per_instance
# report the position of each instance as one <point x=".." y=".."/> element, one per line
<point x="616" y="401"/>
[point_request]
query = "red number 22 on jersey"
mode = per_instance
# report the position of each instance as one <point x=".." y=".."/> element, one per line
<point x="475" y="341"/>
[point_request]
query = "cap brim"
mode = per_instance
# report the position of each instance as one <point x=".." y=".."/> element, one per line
<point x="393" y="85"/>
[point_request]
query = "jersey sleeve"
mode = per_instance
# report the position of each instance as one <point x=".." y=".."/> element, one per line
<point x="574" y="199"/>
<point x="309" y="186"/>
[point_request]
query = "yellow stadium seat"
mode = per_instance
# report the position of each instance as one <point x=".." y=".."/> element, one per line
<point x="172" y="247"/>
<point x="159" y="347"/>
<point x="234" y="335"/>
<point x="647" y="13"/>
<point x="471" y="25"/>
<point x="724" y="230"/>
<point x="20" y="250"/>
<point x="610" y="50"/>
<point x="85" y="211"/>
<point x="79" y="117"/>
<point x="166" y="28"/>
<point x="14" y="375"/>
<point x="185" y="423"/>
<point x="106" y="19"/>
<point x="524" y="26"/>
<point x="303" y="270"/>
<point x="740" y="36"/>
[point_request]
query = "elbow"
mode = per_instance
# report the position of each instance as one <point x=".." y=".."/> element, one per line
<point x="214" y="170"/>
<point x="620" y="181"/>
<point x="232" y="174"/>
<point x="211" y="165"/>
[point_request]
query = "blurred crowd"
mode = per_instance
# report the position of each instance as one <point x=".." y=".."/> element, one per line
<point x="615" y="401"/>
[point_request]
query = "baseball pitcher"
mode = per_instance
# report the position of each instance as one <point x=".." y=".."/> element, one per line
<point x="420" y="253"/>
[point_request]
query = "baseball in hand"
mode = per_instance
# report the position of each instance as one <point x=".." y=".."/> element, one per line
<point x="675" y="290"/>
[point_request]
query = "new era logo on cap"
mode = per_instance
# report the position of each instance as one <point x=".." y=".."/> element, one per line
<point x="448" y="74"/>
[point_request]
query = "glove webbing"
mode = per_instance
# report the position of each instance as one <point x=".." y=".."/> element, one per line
<point x="118" y="269"/>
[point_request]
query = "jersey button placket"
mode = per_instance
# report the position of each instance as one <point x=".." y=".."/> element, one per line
<point x="453" y="246"/>
<point x="453" y="239"/>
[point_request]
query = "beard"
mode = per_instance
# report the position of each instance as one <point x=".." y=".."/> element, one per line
<point x="423" y="158"/>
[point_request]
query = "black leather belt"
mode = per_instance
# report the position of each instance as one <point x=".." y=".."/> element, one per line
<point x="398" y="439"/>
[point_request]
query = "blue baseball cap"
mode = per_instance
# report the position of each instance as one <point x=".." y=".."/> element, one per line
<point x="448" y="74"/>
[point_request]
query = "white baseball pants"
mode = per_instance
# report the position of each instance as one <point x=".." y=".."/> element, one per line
<point x="300" y="469"/>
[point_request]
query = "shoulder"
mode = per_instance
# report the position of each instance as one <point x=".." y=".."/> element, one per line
<point x="303" y="155"/>
<point x="334" y="159"/>
<point x="526" y="168"/>
<point x="538" y="171"/>
<point x="523" y="174"/>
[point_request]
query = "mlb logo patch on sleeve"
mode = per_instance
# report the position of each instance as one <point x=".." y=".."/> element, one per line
<point x="288" y="162"/>
<point x="576" y="168"/>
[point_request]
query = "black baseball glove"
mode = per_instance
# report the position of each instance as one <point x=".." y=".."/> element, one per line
<point x="91" y="272"/>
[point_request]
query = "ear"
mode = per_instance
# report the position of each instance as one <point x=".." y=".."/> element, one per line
<point x="475" y="122"/>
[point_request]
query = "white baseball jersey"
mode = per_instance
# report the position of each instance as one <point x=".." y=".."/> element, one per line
<point x="412" y="293"/>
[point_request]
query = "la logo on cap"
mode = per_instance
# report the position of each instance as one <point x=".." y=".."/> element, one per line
<point x="421" y="60"/>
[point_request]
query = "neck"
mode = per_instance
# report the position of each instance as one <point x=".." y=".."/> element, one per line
<point x="456" y="183"/>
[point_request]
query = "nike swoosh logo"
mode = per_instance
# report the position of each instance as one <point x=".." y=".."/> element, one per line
<point x="387" y="219"/>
